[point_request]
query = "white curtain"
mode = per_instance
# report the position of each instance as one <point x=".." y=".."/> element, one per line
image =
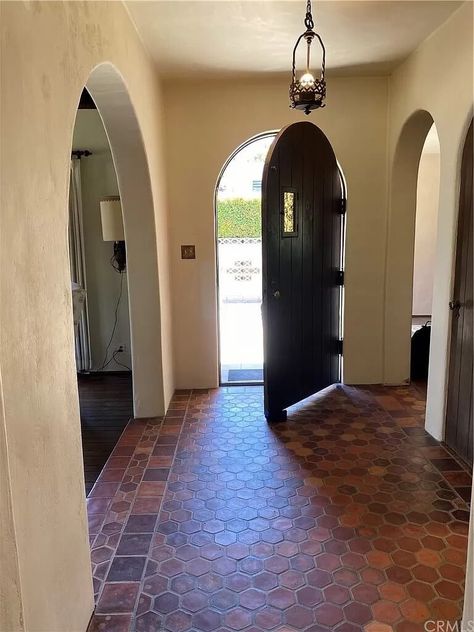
<point x="78" y="264"/>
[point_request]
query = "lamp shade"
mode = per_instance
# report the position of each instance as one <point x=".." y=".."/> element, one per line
<point x="112" y="222"/>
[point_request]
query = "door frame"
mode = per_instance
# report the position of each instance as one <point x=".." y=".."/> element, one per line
<point x="249" y="141"/>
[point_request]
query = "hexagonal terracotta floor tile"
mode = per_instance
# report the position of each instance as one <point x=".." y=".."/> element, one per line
<point x="342" y="519"/>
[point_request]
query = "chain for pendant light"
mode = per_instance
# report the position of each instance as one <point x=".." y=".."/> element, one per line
<point x="308" y="21"/>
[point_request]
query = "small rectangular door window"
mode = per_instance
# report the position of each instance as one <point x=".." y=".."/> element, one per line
<point x="289" y="225"/>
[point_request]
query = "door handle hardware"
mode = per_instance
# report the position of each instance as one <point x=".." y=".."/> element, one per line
<point x="455" y="305"/>
<point x="276" y="294"/>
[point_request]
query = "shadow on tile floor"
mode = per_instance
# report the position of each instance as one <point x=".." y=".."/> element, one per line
<point x="348" y="517"/>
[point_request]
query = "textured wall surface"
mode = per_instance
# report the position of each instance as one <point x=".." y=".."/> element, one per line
<point x="53" y="47"/>
<point x="199" y="141"/>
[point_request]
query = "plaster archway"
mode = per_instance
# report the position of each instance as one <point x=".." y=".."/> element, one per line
<point x="400" y="247"/>
<point x="110" y="94"/>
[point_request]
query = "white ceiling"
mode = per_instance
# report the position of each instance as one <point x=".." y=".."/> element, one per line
<point x="229" y="38"/>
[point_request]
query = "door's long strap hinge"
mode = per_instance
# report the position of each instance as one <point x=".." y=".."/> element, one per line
<point x="340" y="277"/>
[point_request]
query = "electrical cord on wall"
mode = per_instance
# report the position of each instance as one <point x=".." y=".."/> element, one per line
<point x="125" y="366"/>
<point x="106" y="363"/>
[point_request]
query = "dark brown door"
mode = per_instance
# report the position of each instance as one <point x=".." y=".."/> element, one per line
<point x="302" y="219"/>
<point x="459" y="413"/>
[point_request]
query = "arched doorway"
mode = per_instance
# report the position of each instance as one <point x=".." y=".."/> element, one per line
<point x="426" y="224"/>
<point x="237" y="205"/>
<point x="109" y="93"/>
<point x="400" y="248"/>
<point x="111" y="98"/>
<point x="99" y="281"/>
<point x="239" y="262"/>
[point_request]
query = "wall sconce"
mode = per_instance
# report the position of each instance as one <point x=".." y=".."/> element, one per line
<point x="112" y="230"/>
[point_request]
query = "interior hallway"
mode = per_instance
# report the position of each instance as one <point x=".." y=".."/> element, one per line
<point x="347" y="517"/>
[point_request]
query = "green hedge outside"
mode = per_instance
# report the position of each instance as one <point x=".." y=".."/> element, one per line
<point x="237" y="217"/>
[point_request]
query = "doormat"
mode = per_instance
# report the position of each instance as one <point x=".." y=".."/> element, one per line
<point x="245" y="375"/>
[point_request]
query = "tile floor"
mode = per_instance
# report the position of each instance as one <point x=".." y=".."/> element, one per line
<point x="347" y="517"/>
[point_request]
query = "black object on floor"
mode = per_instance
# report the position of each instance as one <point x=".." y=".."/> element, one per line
<point x="245" y="375"/>
<point x="106" y="402"/>
<point x="420" y="353"/>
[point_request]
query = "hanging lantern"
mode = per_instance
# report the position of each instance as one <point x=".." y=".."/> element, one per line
<point x="308" y="93"/>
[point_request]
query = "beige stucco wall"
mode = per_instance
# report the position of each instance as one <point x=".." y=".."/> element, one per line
<point x="427" y="194"/>
<point x="11" y="611"/>
<point x="436" y="78"/>
<point x="53" y="46"/>
<point x="200" y="137"/>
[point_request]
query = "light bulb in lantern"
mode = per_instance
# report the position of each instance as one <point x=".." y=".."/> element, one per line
<point x="307" y="80"/>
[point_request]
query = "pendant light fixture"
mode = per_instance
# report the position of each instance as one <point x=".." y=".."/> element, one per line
<point x="308" y="93"/>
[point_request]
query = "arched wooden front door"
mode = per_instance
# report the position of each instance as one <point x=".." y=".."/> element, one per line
<point x="302" y="219"/>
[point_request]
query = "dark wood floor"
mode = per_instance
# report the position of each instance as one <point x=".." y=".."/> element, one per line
<point x="106" y="402"/>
